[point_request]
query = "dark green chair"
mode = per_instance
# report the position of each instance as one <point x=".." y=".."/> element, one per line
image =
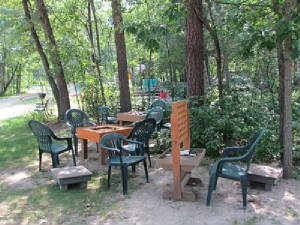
<point x="76" y="118"/>
<point x="227" y="167"/>
<point x="45" y="137"/>
<point x="104" y="113"/>
<point x="113" y="144"/>
<point x="165" y="122"/>
<point x="156" y="113"/>
<point x="160" y="103"/>
<point x="141" y="132"/>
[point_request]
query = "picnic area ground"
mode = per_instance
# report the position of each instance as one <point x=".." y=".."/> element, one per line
<point x="31" y="197"/>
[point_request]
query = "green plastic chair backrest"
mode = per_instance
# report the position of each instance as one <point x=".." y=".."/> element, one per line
<point x="160" y="103"/>
<point x="143" y="130"/>
<point x="112" y="144"/>
<point x="42" y="133"/>
<point x="251" y="146"/>
<point x="104" y="113"/>
<point x="156" y="113"/>
<point x="75" y="118"/>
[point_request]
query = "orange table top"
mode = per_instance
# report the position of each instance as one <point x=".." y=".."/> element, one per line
<point x="96" y="132"/>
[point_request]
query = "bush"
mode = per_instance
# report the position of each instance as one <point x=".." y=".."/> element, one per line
<point x="242" y="114"/>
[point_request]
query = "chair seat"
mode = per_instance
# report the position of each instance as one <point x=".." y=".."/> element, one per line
<point x="111" y="119"/>
<point x="166" y="125"/>
<point x="57" y="148"/>
<point x="229" y="170"/>
<point x="128" y="160"/>
<point x="130" y="147"/>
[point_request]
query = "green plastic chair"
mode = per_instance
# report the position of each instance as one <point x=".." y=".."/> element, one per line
<point x="165" y="122"/>
<point x="104" y="113"/>
<point x="113" y="144"/>
<point x="156" y="113"/>
<point x="45" y="136"/>
<point x="160" y="103"/>
<point x="76" y="118"/>
<point x="227" y="166"/>
<point x="141" y="132"/>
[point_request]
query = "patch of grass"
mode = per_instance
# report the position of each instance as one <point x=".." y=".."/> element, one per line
<point x="49" y="203"/>
<point x="291" y="212"/>
<point x="18" y="145"/>
<point x="248" y="221"/>
<point x="46" y="202"/>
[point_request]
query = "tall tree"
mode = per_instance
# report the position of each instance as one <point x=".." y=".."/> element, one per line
<point x="41" y="52"/>
<point x="284" y="58"/>
<point x="55" y="59"/>
<point x="96" y="51"/>
<point x="287" y="96"/>
<point x="194" y="49"/>
<point x="213" y="32"/>
<point x="125" y="102"/>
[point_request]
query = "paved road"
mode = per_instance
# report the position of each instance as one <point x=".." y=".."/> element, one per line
<point x="16" y="106"/>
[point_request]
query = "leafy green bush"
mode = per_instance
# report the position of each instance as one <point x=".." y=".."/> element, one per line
<point x="241" y="115"/>
<point x="92" y="99"/>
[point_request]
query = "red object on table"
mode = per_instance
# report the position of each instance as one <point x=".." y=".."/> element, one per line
<point x="163" y="94"/>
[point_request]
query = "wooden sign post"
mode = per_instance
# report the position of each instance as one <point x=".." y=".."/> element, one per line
<point x="179" y="164"/>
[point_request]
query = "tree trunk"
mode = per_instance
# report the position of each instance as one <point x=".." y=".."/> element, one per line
<point x="3" y="70"/>
<point x="125" y="102"/>
<point x="96" y="54"/>
<point x="287" y="96"/>
<point x="194" y="50"/>
<point x="285" y="91"/>
<point x="42" y="54"/>
<point x="7" y="84"/>
<point x="64" y="100"/>
<point x="218" y="51"/>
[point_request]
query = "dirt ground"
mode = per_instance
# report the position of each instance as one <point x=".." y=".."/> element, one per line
<point x="146" y="205"/>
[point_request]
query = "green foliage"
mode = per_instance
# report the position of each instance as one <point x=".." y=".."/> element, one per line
<point x="241" y="115"/>
<point x="92" y="99"/>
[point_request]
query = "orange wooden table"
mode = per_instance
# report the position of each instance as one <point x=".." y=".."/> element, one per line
<point x="95" y="134"/>
<point x="131" y="116"/>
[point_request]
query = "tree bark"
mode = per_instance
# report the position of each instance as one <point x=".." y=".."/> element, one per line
<point x="10" y="79"/>
<point x="287" y="96"/>
<point x="42" y="54"/>
<point x="97" y="54"/>
<point x="285" y="90"/>
<point x="215" y="38"/>
<point x="194" y="50"/>
<point x="125" y="102"/>
<point x="55" y="59"/>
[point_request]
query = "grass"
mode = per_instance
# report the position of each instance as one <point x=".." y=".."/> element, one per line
<point x="18" y="146"/>
<point x="45" y="201"/>
<point x="248" y="221"/>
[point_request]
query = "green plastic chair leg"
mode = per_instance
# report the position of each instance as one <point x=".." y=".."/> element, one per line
<point x="108" y="176"/>
<point x="146" y="170"/>
<point x="244" y="190"/>
<point x="124" y="179"/>
<point x="40" y="158"/>
<point x="211" y="186"/>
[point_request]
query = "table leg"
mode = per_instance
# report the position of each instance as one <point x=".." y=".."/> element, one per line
<point x="84" y="144"/>
<point x="102" y="155"/>
<point x="121" y="123"/>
